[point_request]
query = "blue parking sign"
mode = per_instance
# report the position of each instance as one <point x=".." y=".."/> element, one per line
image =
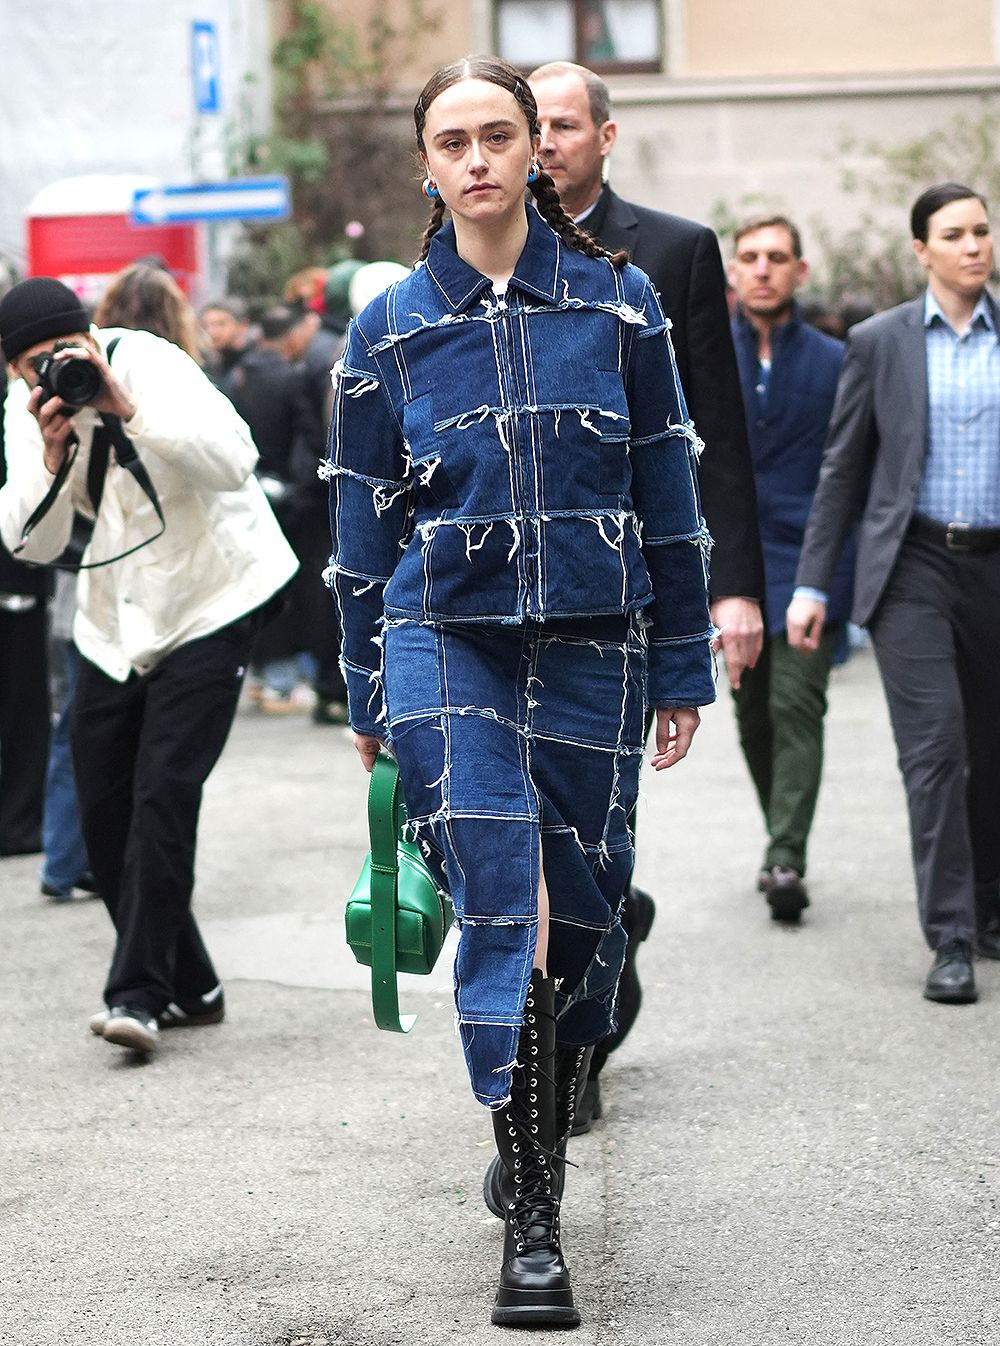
<point x="205" y="67"/>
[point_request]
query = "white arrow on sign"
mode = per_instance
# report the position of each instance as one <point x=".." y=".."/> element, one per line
<point x="267" y="198"/>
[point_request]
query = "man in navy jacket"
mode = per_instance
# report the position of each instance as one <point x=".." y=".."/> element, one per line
<point x="788" y="373"/>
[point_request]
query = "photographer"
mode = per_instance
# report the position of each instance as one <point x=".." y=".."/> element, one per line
<point x="124" y="428"/>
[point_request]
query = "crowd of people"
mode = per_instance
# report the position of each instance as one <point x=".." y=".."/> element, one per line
<point x="564" y="459"/>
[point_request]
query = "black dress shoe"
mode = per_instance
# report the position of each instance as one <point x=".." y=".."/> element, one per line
<point x="786" y="893"/>
<point x="951" y="981"/>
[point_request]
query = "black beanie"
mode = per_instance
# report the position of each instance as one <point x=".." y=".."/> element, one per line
<point x="36" y="309"/>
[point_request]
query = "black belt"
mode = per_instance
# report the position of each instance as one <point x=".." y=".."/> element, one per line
<point x="955" y="536"/>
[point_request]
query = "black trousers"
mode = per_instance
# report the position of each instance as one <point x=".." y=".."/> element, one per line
<point x="142" y="751"/>
<point x="24" y="728"/>
<point x="936" y="634"/>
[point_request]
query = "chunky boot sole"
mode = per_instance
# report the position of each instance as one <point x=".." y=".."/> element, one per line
<point x="533" y="1306"/>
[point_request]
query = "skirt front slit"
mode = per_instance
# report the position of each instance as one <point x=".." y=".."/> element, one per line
<point x="515" y="742"/>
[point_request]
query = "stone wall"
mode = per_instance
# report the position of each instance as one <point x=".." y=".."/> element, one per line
<point x="685" y="148"/>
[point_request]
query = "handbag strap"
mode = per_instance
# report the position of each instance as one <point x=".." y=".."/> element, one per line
<point x="386" y="815"/>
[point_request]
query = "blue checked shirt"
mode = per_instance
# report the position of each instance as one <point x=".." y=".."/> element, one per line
<point x="962" y="472"/>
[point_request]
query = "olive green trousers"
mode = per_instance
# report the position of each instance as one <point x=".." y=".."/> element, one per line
<point x="780" y="706"/>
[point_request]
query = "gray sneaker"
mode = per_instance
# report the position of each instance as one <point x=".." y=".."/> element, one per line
<point x="130" y="1026"/>
<point x="207" y="1009"/>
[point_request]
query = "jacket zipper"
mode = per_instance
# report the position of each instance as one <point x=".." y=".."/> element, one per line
<point x="527" y="563"/>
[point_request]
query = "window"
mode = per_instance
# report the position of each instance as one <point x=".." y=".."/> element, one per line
<point x="606" y="35"/>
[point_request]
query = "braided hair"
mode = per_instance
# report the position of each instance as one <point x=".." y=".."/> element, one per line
<point x="550" y="207"/>
<point x="494" y="71"/>
<point x="433" y="225"/>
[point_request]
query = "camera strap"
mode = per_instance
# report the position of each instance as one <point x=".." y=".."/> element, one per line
<point x="109" y="434"/>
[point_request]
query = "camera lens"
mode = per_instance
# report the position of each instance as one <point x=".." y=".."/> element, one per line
<point x="75" y="381"/>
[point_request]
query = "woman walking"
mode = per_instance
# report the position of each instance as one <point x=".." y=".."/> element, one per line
<point x="519" y="561"/>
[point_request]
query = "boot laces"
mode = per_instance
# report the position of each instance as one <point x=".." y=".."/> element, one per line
<point x="534" y="1211"/>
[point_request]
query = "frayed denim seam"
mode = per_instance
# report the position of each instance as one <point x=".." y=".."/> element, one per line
<point x="668" y="539"/>
<point x="366" y="384"/>
<point x="579" y="923"/>
<point x="658" y="641"/>
<point x="500" y="922"/>
<point x="494" y="314"/>
<point x="686" y="432"/>
<point x="334" y="570"/>
<point x="501" y="619"/>
<point x="466" y="419"/>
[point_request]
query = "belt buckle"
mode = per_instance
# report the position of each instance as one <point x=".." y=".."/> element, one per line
<point x="957" y="537"/>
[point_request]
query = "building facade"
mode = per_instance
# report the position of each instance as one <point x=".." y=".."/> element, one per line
<point x="165" y="91"/>
<point x="724" y="106"/>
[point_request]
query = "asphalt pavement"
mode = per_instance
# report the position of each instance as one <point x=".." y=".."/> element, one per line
<point x="795" y="1147"/>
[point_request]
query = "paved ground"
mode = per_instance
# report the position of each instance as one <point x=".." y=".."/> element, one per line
<point x="796" y="1147"/>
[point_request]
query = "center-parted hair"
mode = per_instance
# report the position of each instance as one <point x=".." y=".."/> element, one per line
<point x="492" y="70"/>
<point x="928" y="203"/>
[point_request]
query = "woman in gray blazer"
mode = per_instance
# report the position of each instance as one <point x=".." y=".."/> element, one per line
<point x="914" y="449"/>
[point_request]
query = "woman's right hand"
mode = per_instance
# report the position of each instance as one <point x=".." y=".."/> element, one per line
<point x="675" y="728"/>
<point x="368" y="749"/>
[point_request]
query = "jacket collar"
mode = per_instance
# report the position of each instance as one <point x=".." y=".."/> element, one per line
<point x="983" y="312"/>
<point x="781" y="334"/>
<point x="537" y="269"/>
<point x="612" y="220"/>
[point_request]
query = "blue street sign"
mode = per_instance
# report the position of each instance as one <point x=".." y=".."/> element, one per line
<point x="205" y="68"/>
<point x="235" y="199"/>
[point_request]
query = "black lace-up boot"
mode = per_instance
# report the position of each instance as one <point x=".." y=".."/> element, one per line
<point x="571" y="1066"/>
<point x="534" y="1281"/>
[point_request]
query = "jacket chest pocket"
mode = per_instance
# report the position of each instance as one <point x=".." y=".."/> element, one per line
<point x="432" y="484"/>
<point x="592" y="426"/>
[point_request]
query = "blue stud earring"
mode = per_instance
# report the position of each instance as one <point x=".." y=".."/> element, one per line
<point x="533" y="175"/>
<point x="429" y="188"/>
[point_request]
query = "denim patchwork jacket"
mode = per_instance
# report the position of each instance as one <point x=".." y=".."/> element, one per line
<point x="516" y="460"/>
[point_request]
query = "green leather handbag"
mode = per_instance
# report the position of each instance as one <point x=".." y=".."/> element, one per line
<point x="397" y="916"/>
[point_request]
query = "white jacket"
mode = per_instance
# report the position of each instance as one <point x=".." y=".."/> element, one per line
<point x="223" y="552"/>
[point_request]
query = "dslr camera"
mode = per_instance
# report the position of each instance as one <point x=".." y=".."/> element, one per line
<point x="75" y="381"/>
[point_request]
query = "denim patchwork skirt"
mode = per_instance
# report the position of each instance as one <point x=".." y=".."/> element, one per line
<point x="516" y="742"/>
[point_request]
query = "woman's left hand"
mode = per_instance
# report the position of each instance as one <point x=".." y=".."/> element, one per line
<point x="675" y="726"/>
